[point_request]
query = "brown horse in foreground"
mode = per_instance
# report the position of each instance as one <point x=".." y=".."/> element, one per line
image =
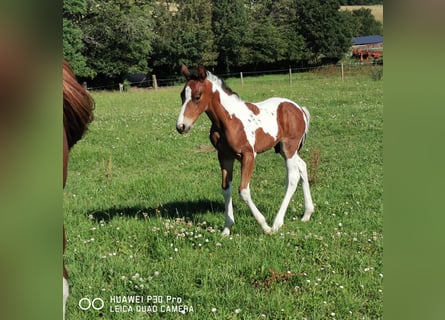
<point x="240" y="130"/>
<point x="78" y="108"/>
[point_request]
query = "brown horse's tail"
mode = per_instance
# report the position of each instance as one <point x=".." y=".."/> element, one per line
<point x="78" y="107"/>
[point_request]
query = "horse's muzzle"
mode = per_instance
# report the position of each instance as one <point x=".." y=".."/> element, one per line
<point x="181" y="128"/>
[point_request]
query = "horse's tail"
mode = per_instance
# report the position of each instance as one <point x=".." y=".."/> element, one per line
<point x="78" y="106"/>
<point x="307" y="120"/>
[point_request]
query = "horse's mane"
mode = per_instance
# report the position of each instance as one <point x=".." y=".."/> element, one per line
<point x="78" y="107"/>
<point x="194" y="75"/>
<point x="220" y="82"/>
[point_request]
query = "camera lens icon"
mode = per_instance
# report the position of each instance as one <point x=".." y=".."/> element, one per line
<point x="87" y="303"/>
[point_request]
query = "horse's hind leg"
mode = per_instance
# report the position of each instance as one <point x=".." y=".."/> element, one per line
<point x="296" y="171"/>
<point x="292" y="179"/>
<point x="308" y="204"/>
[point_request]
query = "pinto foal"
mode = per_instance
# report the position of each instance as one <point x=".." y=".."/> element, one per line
<point x="78" y="108"/>
<point x="240" y="130"/>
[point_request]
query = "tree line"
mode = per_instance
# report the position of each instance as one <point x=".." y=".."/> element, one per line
<point x="104" y="40"/>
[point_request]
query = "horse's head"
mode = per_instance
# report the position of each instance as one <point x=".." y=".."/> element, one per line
<point x="196" y="96"/>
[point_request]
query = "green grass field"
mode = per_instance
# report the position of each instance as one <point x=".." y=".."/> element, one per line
<point x="144" y="211"/>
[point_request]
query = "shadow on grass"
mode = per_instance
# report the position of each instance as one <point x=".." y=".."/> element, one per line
<point x="176" y="209"/>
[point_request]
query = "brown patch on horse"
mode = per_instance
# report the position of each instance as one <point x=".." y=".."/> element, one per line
<point x="253" y="108"/>
<point x="218" y="139"/>
<point x="292" y="121"/>
<point x="263" y="141"/>
<point x="78" y="107"/>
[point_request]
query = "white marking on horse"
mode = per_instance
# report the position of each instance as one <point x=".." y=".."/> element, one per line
<point x="188" y="97"/>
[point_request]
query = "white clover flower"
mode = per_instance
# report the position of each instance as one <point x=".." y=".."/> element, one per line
<point x="135" y="277"/>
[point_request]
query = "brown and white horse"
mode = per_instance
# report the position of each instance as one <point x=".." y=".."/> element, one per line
<point x="240" y="130"/>
<point x="78" y="108"/>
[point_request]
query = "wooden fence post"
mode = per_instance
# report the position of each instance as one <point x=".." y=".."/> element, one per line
<point x="155" y="82"/>
<point x="342" y="72"/>
<point x="290" y="76"/>
<point x="242" y="79"/>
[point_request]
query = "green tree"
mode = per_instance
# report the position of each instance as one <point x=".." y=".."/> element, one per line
<point x="283" y="13"/>
<point x="263" y="45"/>
<point x="73" y="46"/>
<point x="324" y="28"/>
<point x="230" y="26"/>
<point x="364" y="23"/>
<point x="183" y="35"/>
<point x="118" y="36"/>
<point x="273" y="39"/>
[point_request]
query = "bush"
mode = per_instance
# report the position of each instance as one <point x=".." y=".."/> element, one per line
<point x="377" y="73"/>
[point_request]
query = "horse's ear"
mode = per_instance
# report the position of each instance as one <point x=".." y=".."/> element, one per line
<point x="185" y="71"/>
<point x="202" y="72"/>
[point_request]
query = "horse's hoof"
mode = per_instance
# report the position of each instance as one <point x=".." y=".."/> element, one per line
<point x="276" y="226"/>
<point x="306" y="216"/>
<point x="268" y="230"/>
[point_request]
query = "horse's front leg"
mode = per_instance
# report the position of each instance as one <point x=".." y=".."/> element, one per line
<point x="247" y="164"/>
<point x="226" y="164"/>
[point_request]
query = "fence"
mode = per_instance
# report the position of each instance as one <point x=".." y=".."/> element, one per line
<point x="342" y="70"/>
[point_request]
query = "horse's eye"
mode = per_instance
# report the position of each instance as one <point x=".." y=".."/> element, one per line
<point x="197" y="98"/>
